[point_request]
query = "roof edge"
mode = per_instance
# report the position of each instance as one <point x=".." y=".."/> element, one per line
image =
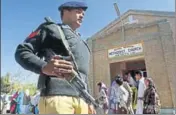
<point x="134" y="11"/>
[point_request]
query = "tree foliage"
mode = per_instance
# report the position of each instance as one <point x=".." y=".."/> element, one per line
<point x="5" y="83"/>
<point x="8" y="86"/>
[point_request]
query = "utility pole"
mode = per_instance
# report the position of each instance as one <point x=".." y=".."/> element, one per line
<point x="122" y="25"/>
<point x="174" y="111"/>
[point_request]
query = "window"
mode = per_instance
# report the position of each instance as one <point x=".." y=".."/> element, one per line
<point x="131" y="20"/>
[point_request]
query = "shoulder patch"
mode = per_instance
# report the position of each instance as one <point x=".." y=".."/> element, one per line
<point x="33" y="34"/>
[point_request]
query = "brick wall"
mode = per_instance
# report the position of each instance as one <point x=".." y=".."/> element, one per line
<point x="158" y="54"/>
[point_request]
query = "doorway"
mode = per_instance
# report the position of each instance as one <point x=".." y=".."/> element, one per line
<point x="120" y="68"/>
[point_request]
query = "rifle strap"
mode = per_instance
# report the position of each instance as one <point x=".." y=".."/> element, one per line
<point x="65" y="42"/>
<point x="62" y="35"/>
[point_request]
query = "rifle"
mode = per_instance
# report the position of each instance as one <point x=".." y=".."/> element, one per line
<point x="75" y="81"/>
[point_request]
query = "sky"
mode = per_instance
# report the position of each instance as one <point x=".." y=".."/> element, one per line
<point x="20" y="17"/>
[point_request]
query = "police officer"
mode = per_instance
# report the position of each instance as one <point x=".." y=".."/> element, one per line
<point x="57" y="95"/>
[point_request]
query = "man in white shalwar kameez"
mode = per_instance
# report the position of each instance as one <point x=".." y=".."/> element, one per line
<point x="113" y="94"/>
<point x="141" y="89"/>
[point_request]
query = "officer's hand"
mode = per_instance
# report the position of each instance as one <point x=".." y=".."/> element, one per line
<point x="57" y="67"/>
<point x="69" y="76"/>
<point x="65" y="74"/>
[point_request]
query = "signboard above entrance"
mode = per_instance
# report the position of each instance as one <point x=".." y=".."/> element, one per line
<point x="129" y="50"/>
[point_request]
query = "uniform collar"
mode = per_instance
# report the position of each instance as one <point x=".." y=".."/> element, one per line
<point x="65" y="26"/>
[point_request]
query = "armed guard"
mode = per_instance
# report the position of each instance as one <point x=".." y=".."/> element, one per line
<point x="35" y="54"/>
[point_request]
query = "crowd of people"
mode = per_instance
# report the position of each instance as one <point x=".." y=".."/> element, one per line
<point x="21" y="103"/>
<point x="126" y="95"/>
<point x="129" y="95"/>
